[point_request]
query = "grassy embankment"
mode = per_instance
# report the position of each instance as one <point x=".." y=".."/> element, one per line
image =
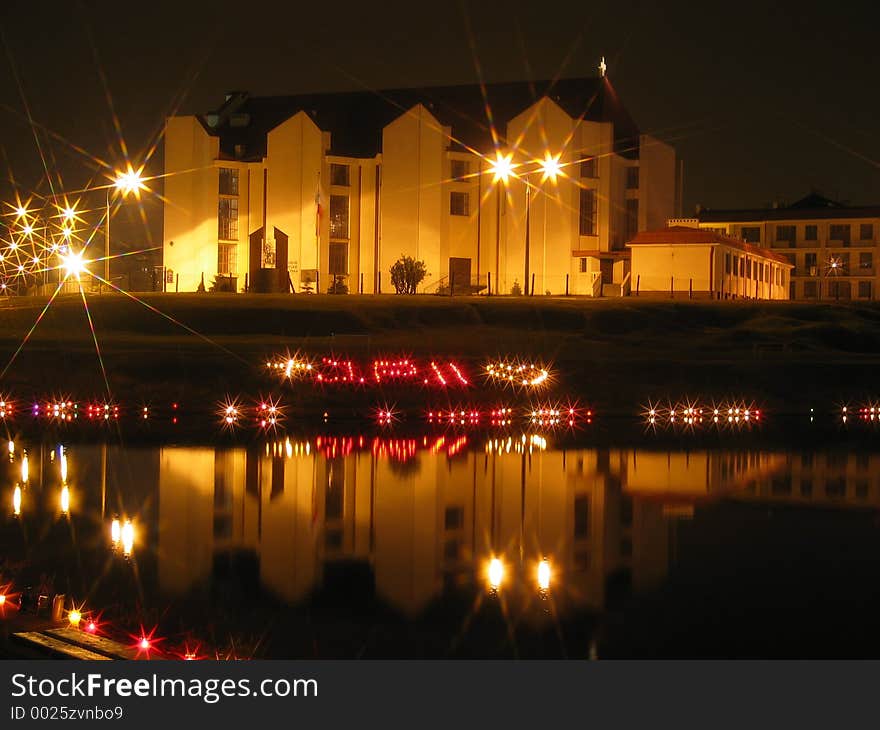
<point x="614" y="353"/>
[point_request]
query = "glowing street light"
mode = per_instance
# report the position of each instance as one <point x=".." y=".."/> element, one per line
<point x="65" y="500"/>
<point x="501" y="167"/>
<point x="115" y="532"/>
<point x="74" y="617"/>
<point x="550" y="167"/>
<point x="126" y="182"/>
<point x="544" y="574"/>
<point x="16" y="501"/>
<point x="73" y="265"/>
<point x="127" y="538"/>
<point x="496" y="573"/>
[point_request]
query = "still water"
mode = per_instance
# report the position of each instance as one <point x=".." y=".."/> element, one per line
<point x="455" y="546"/>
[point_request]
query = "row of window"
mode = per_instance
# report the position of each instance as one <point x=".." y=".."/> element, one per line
<point x="748" y="268"/>
<point x="839" y="264"/>
<point x="837" y="289"/>
<point x="788" y="233"/>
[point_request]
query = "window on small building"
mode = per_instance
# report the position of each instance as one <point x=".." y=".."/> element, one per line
<point x="751" y="234"/>
<point x="727" y="265"/>
<point x="589" y="167"/>
<point x="811" y="233"/>
<point x="840" y="232"/>
<point x="228" y="181"/>
<point x="866" y="231"/>
<point x="583" y="265"/>
<point x="460" y="169"/>
<point x="865" y="290"/>
<point x="227" y="219"/>
<point x="786" y="234"/>
<point x="339" y="216"/>
<point x="588" y="213"/>
<point x="458" y="203"/>
<point x="632" y="178"/>
<point x="339" y="175"/>
<point x="227" y="258"/>
<point x="338" y="261"/>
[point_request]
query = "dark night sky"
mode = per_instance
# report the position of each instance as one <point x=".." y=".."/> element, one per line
<point x="762" y="102"/>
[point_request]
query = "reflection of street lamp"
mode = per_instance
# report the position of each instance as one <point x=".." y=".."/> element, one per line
<point x="129" y="181"/>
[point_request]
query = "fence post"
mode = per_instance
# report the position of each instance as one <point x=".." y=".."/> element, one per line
<point x="246" y="287"/>
<point x="176" y="283"/>
<point x="533" y="286"/>
<point x="566" y="285"/>
<point x="362" y="282"/>
<point x="690" y="288"/>
<point x="672" y="287"/>
<point x="489" y="283"/>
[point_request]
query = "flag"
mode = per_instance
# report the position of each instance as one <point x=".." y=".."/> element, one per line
<point x="319" y="206"/>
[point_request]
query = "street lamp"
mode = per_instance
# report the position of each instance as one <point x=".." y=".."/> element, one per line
<point x="550" y="170"/>
<point x="125" y="182"/>
<point x="501" y="168"/>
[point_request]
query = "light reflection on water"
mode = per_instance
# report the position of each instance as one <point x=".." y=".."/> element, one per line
<point x="512" y="518"/>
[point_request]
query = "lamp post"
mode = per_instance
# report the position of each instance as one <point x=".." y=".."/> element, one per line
<point x="501" y="168"/>
<point x="124" y="182"/>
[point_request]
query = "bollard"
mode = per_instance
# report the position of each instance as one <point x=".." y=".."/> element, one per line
<point x="566" y="285"/>
<point x="532" y="293"/>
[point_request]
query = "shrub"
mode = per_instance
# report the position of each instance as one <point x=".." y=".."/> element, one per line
<point x="516" y="289"/>
<point x="223" y="284"/>
<point x="407" y="274"/>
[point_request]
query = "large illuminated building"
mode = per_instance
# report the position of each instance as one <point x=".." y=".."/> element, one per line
<point x="833" y="247"/>
<point x="497" y="188"/>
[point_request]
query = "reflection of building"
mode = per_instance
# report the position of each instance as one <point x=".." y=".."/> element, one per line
<point x="428" y="517"/>
<point x="340" y="185"/>
<point x="832" y="246"/>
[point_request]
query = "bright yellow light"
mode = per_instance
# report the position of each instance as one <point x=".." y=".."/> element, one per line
<point x="550" y="167"/>
<point x="73" y="264"/>
<point x="74" y="617"/>
<point x="501" y="167"/>
<point x="24" y="469"/>
<point x="16" y="501"/>
<point x="496" y="573"/>
<point x="66" y="232"/>
<point x="115" y="532"/>
<point x="2" y="599"/>
<point x="28" y="229"/>
<point x="544" y="574"/>
<point x="21" y="211"/>
<point x="127" y="538"/>
<point x="68" y="213"/>
<point x="65" y="500"/>
<point x="63" y="466"/>
<point x="130" y="181"/>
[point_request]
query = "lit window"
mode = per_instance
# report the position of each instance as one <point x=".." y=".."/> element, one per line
<point x="228" y="181"/>
<point x="227" y="219"/>
<point x="588" y="213"/>
<point x="459" y="170"/>
<point x="338" y="262"/>
<point x="227" y="255"/>
<point x="632" y="178"/>
<point x="338" y="216"/>
<point x="458" y="203"/>
<point x="339" y="175"/>
<point x="589" y="167"/>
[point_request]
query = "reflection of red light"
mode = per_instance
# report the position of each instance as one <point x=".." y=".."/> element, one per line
<point x="91" y="627"/>
<point x="144" y="644"/>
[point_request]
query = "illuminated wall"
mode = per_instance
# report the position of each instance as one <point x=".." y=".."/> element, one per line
<point x="401" y="203"/>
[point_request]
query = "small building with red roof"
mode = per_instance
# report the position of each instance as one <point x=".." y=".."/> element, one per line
<point x="684" y="261"/>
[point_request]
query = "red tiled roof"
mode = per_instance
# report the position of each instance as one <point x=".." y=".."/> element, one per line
<point x="687" y="236"/>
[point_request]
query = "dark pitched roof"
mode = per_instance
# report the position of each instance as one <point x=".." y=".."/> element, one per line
<point x="687" y="236"/>
<point x="355" y="119"/>
<point x="813" y="207"/>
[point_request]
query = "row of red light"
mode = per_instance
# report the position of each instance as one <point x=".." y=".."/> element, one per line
<point x="332" y="370"/>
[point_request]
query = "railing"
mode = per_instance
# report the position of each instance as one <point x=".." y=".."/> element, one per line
<point x="597" y="283"/>
<point x="445" y="287"/>
<point x="625" y="285"/>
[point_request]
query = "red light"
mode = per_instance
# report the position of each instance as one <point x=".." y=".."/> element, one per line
<point x="91" y="627"/>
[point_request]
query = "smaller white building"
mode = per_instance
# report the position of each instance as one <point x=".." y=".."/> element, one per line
<point x="701" y="263"/>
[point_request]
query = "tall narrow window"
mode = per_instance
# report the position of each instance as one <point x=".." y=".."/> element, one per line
<point x="866" y="231"/>
<point x="840" y="232"/>
<point x="458" y="203"/>
<point x="811" y="233"/>
<point x="751" y="234"/>
<point x="632" y="178"/>
<point x="339" y="216"/>
<point x="228" y="181"/>
<point x="588" y="213"/>
<point x="589" y="167"/>
<point x="459" y="170"/>
<point x="227" y="255"/>
<point x="786" y="234"/>
<point x="339" y="175"/>
<point x="227" y="219"/>
<point x="338" y="263"/>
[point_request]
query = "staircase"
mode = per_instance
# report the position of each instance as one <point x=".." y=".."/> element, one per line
<point x="442" y="288"/>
